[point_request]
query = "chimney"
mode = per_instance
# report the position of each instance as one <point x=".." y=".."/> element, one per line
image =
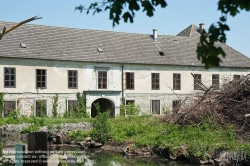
<point x="202" y="27"/>
<point x="155" y="34"/>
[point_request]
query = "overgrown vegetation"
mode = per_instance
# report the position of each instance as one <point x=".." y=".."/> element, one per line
<point x="41" y="108"/>
<point x="55" y="104"/>
<point x="101" y="125"/>
<point x="130" y="109"/>
<point x="81" y="106"/>
<point x="1" y="104"/>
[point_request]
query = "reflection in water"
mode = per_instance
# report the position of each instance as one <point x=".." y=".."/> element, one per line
<point x="96" y="157"/>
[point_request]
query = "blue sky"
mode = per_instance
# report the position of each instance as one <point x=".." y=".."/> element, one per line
<point x="171" y="20"/>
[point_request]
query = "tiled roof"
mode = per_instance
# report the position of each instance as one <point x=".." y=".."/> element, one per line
<point x="60" y="43"/>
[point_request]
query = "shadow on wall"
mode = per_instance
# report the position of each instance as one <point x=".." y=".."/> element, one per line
<point x="105" y="105"/>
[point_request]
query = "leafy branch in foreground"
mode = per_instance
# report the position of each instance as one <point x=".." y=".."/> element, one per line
<point x="123" y="9"/>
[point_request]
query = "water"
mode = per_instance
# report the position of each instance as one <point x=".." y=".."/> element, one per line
<point x="96" y="157"/>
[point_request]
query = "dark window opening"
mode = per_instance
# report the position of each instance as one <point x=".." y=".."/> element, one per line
<point x="72" y="79"/>
<point x="130" y="81"/>
<point x="236" y="77"/>
<point x="197" y="82"/>
<point x="215" y="81"/>
<point x="161" y="53"/>
<point x="9" y="106"/>
<point x="102" y="79"/>
<point x="72" y="105"/>
<point x="130" y="102"/>
<point x="40" y="78"/>
<point x="155" y="106"/>
<point x="176" y="81"/>
<point x="9" y="77"/>
<point x="41" y="108"/>
<point x="175" y="105"/>
<point x="155" y="81"/>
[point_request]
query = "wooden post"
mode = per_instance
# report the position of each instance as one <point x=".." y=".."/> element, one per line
<point x="37" y="149"/>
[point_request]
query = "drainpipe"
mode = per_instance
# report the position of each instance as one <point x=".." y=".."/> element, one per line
<point x="122" y="84"/>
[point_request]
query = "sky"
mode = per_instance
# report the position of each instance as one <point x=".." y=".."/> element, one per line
<point x="171" y="20"/>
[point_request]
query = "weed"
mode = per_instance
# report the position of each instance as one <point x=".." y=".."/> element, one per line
<point x="55" y="104"/>
<point x="130" y="109"/>
<point x="1" y="103"/>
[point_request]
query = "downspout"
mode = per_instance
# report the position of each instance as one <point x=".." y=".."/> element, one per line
<point x="122" y="85"/>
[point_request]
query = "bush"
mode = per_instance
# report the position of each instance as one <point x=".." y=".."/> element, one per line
<point x="130" y="109"/>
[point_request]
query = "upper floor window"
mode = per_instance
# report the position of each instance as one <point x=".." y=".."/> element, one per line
<point x="9" y="106"/>
<point x="215" y="81"/>
<point x="155" y="81"/>
<point x="40" y="78"/>
<point x="197" y="81"/>
<point x="236" y="77"/>
<point x="72" y="79"/>
<point x="102" y="79"/>
<point x="9" y="77"/>
<point x="176" y="81"/>
<point x="129" y="80"/>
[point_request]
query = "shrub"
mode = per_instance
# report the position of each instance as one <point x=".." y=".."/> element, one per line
<point x="130" y="109"/>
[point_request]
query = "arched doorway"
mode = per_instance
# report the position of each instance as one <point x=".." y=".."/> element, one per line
<point x="105" y="105"/>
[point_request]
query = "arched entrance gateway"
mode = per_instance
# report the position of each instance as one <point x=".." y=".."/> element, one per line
<point x="105" y="105"/>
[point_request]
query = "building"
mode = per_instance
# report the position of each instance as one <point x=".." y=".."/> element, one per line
<point x="37" y="62"/>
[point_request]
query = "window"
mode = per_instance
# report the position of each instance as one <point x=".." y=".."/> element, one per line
<point x="41" y="108"/>
<point x="102" y="79"/>
<point x="129" y="80"/>
<point x="72" y="104"/>
<point x="175" y="105"/>
<point x="236" y="77"/>
<point x="9" y="106"/>
<point x="40" y="78"/>
<point x="130" y="102"/>
<point x="72" y="79"/>
<point x="215" y="81"/>
<point x="9" y="77"/>
<point x="176" y="81"/>
<point x="197" y="81"/>
<point x="155" y="106"/>
<point x="155" y="81"/>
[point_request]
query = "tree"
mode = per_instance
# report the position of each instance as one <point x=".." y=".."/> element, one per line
<point x="207" y="52"/>
<point x="5" y="31"/>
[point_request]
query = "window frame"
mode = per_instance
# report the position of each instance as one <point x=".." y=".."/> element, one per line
<point x="75" y="103"/>
<point x="197" y="80"/>
<point x="176" y="105"/>
<point x="216" y="81"/>
<point x="41" y="76"/>
<point x="46" y="107"/>
<point x="130" y="81"/>
<point x="154" y="78"/>
<point x="72" y="82"/>
<point x="100" y="84"/>
<point x="8" y="111"/>
<point x="176" y="81"/>
<point x="236" y="77"/>
<point x="159" y="106"/>
<point x="10" y="80"/>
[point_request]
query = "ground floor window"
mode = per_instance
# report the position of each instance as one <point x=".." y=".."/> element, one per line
<point x="155" y="106"/>
<point x="9" y="106"/>
<point x="72" y="105"/>
<point x="41" y="108"/>
<point x="175" y="105"/>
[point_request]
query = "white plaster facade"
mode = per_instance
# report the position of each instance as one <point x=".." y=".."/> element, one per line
<point x="25" y="93"/>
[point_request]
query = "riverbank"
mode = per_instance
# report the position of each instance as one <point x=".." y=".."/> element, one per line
<point x="144" y="136"/>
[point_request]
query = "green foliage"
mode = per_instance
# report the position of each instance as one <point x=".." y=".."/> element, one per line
<point x="200" y="140"/>
<point x="116" y="8"/>
<point x="101" y="125"/>
<point x="55" y="104"/>
<point x="81" y="107"/>
<point x="130" y="109"/>
<point x="14" y="114"/>
<point x="37" y="124"/>
<point x="79" y="134"/>
<point x="41" y="108"/>
<point x="1" y="104"/>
